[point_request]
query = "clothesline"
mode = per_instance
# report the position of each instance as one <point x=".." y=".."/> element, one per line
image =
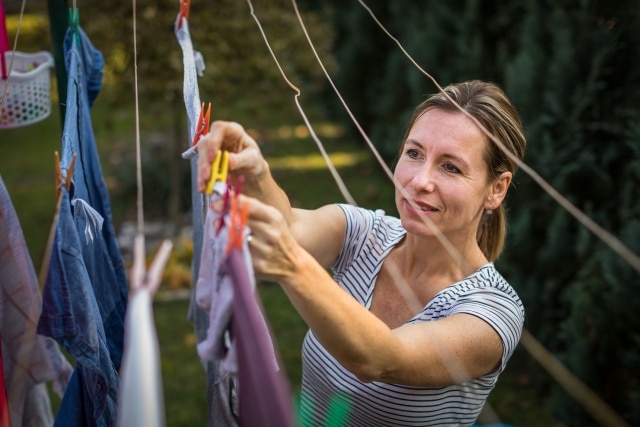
<point x="611" y="240"/>
<point x="591" y="401"/>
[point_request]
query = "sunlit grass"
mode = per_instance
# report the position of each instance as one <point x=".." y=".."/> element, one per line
<point x="29" y="24"/>
<point x="316" y="161"/>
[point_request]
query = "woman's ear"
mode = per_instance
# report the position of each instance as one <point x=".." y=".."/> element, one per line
<point x="498" y="190"/>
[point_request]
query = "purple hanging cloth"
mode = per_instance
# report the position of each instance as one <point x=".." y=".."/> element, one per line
<point x="263" y="393"/>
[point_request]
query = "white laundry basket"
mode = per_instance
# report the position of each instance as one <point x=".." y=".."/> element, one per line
<point x="27" y="99"/>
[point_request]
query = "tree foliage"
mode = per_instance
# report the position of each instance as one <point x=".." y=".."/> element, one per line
<point x="238" y="64"/>
<point x="240" y="75"/>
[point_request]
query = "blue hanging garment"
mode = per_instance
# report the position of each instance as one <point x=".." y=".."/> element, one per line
<point x="85" y="294"/>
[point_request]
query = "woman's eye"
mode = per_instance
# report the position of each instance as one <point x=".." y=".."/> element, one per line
<point x="412" y="153"/>
<point x="451" y="168"/>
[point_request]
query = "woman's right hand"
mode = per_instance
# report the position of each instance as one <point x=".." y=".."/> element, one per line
<point x="245" y="157"/>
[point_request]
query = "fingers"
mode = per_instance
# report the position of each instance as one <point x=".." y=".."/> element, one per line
<point x="260" y="212"/>
<point x="227" y="136"/>
<point x="265" y="222"/>
<point x="273" y="248"/>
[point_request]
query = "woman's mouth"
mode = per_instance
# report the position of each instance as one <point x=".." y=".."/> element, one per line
<point x="421" y="207"/>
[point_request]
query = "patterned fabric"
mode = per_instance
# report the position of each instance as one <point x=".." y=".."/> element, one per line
<point x="28" y="359"/>
<point x="370" y="236"/>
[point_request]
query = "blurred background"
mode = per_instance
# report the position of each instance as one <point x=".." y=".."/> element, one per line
<point x="571" y="68"/>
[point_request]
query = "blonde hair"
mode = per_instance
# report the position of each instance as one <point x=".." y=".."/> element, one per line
<point x="488" y="104"/>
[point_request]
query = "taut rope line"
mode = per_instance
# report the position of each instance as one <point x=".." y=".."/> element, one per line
<point x="599" y="409"/>
<point x="139" y="201"/>
<point x="443" y="240"/>
<point x="343" y="188"/>
<point x="613" y="242"/>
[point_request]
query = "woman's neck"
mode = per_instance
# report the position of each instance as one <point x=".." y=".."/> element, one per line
<point x="428" y="257"/>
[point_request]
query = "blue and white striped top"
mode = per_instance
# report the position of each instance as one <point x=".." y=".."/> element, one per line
<point x="370" y="236"/>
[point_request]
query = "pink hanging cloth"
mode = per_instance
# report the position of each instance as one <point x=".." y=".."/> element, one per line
<point x="5" y="421"/>
<point x="4" y="40"/>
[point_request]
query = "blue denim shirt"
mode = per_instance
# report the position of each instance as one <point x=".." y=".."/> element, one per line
<point x="70" y="315"/>
<point x="85" y="295"/>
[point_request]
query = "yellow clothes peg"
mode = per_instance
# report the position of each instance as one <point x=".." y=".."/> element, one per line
<point x="219" y="170"/>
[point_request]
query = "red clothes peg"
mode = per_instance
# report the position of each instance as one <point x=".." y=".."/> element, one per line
<point x="202" y="127"/>
<point x="184" y="11"/>
<point x="226" y="199"/>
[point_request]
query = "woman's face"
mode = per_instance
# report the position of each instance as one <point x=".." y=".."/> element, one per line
<point x="444" y="176"/>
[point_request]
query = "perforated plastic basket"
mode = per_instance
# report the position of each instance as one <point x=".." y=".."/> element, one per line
<point x="28" y="97"/>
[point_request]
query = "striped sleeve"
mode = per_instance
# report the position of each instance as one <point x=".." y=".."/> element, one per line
<point x="501" y="309"/>
<point x="360" y="223"/>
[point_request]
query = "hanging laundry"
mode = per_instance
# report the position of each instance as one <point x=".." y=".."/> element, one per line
<point x="140" y="400"/>
<point x="221" y="385"/>
<point x="85" y="293"/>
<point x="264" y="398"/>
<point x="214" y="295"/>
<point x="214" y="299"/>
<point x="30" y="360"/>
<point x="71" y="315"/>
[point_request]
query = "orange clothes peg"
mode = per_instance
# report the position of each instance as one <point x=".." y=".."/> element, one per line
<point x="202" y="127"/>
<point x="184" y="11"/>
<point x="67" y="181"/>
<point x="237" y="223"/>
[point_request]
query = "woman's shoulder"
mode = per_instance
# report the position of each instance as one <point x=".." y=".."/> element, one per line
<point x="486" y="287"/>
<point x="370" y="218"/>
<point x="369" y="236"/>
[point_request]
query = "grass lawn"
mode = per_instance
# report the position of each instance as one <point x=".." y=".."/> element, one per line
<point x="27" y="168"/>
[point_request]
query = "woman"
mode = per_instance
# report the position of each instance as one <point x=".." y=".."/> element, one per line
<point x="416" y="324"/>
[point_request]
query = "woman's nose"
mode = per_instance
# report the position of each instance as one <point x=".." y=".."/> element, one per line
<point x="424" y="179"/>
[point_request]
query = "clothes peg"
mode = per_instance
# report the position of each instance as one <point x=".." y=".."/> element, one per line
<point x="202" y="127"/>
<point x="140" y="276"/>
<point x="68" y="178"/>
<point x="226" y="200"/>
<point x="219" y="170"/>
<point x="74" y="18"/>
<point x="237" y="224"/>
<point x="237" y="189"/>
<point x="185" y="5"/>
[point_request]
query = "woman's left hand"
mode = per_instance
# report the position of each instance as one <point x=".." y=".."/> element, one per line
<point x="274" y="250"/>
